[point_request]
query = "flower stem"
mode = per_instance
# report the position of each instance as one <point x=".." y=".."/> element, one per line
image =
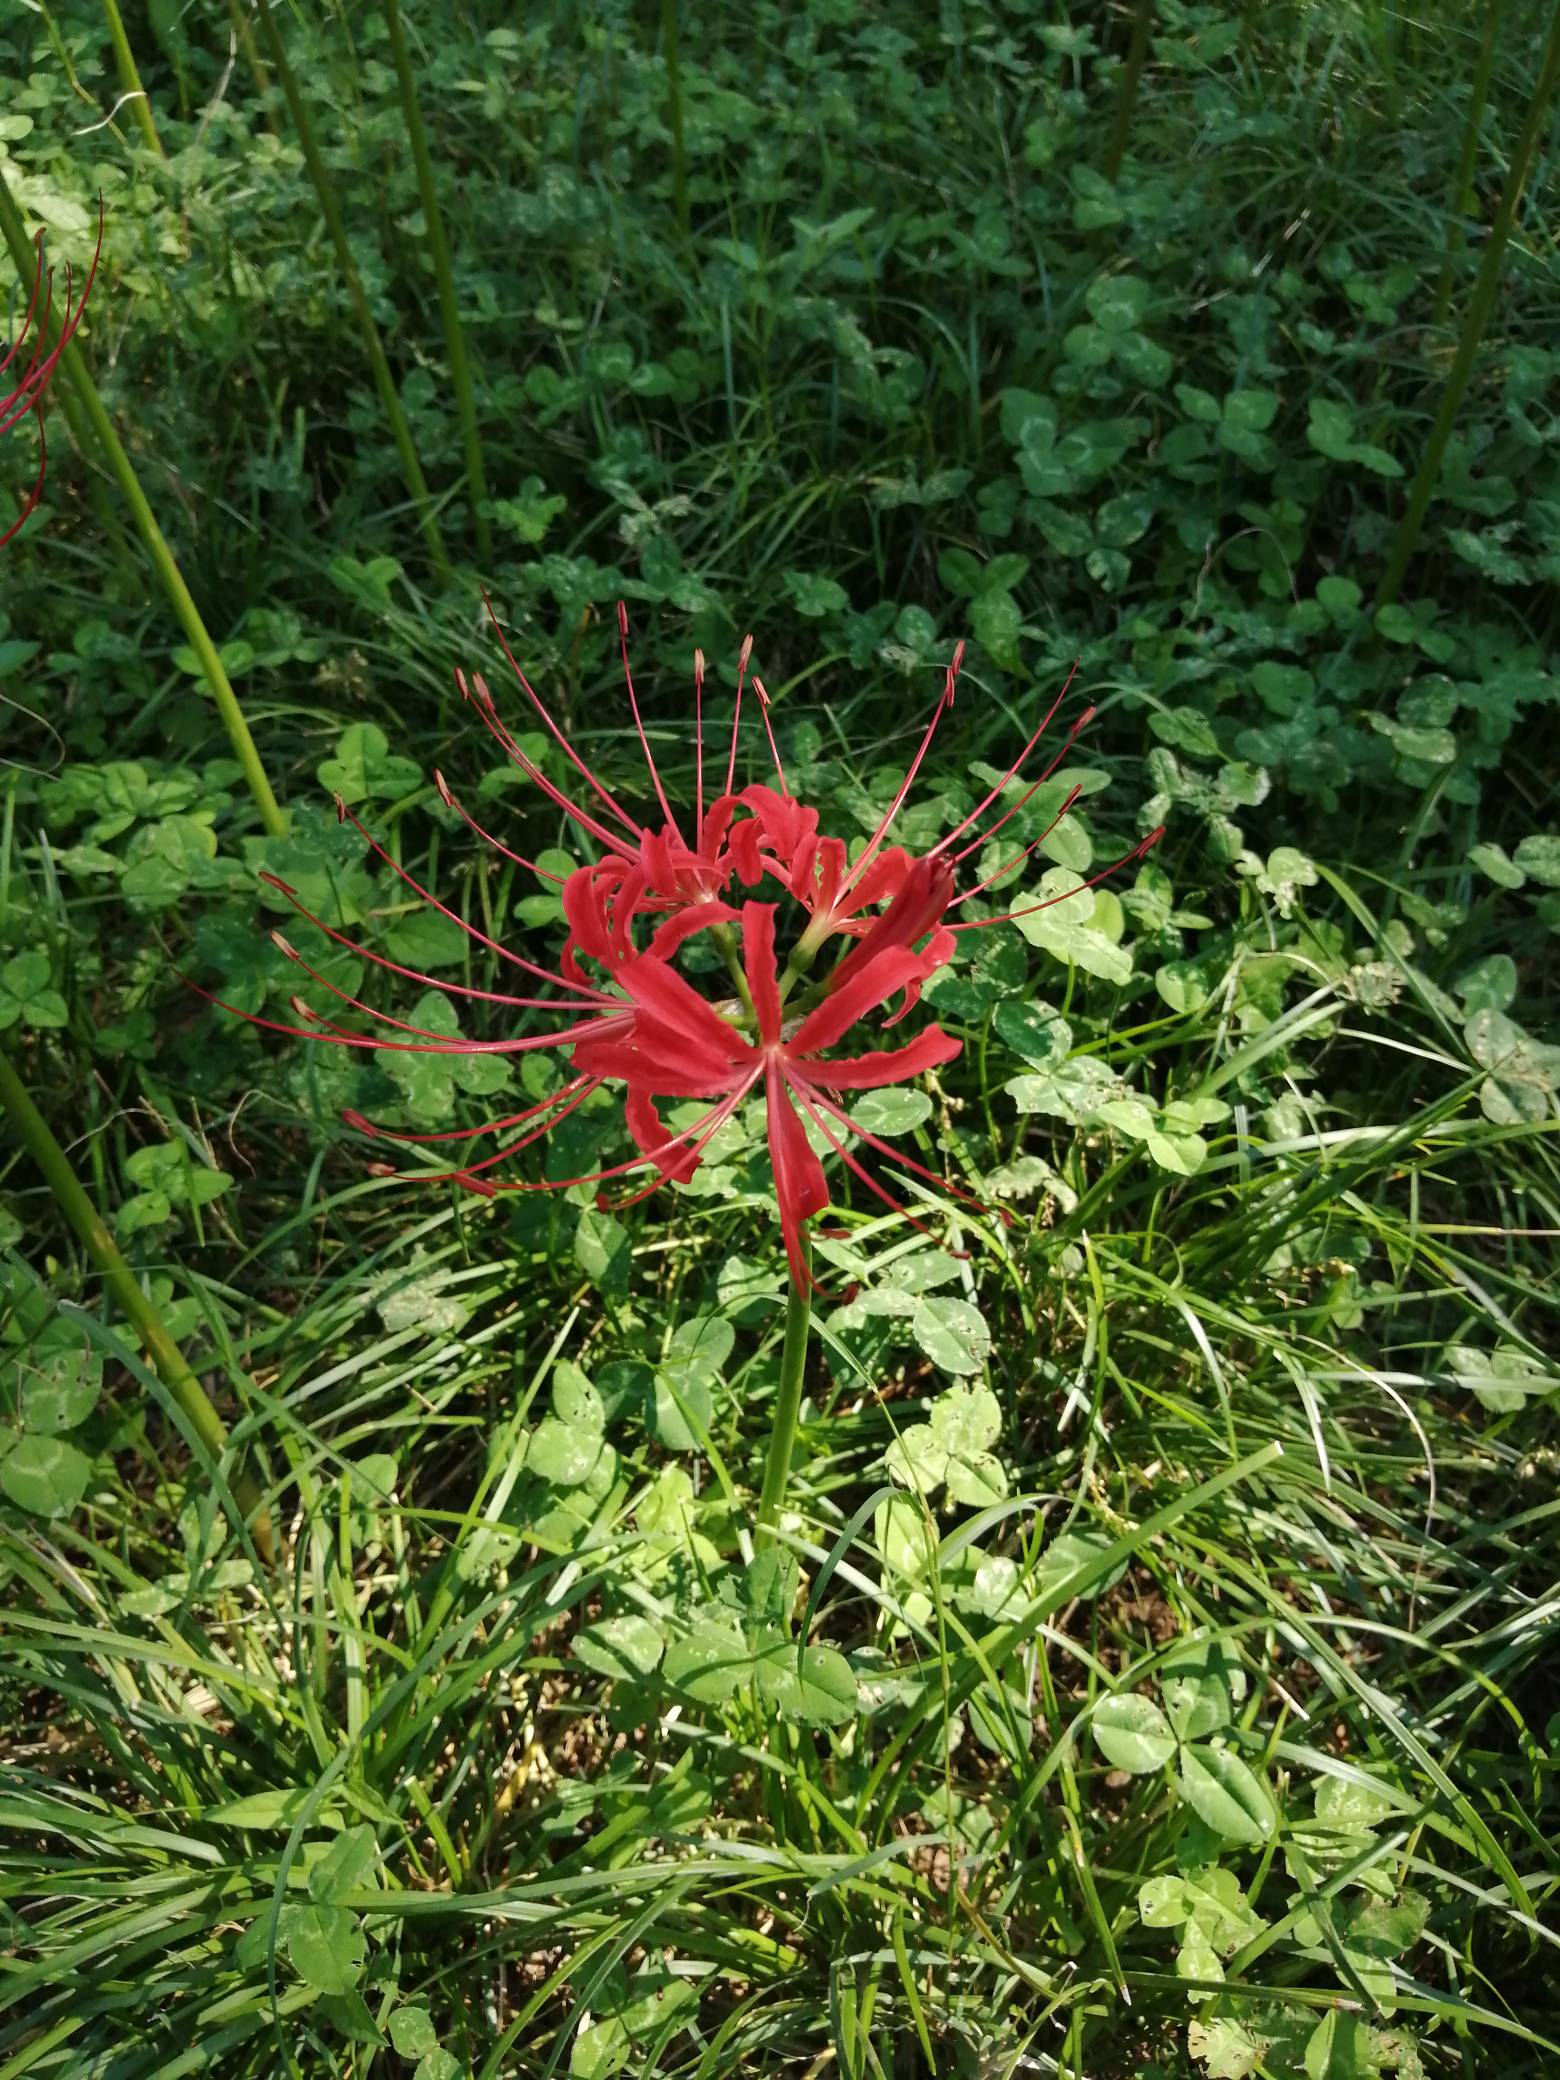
<point x="449" y="304"/>
<point x="788" y="1406"/>
<point x="130" y="78"/>
<point x="1481" y="306"/>
<point x="113" y="451"/>
<point x="373" y="345"/>
<point x="172" y="1369"/>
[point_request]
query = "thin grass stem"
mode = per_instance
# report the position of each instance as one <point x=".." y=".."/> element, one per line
<point x="449" y="302"/>
<point x="1480" y="309"/>
<point x="1127" y="89"/>
<point x="674" y="115"/>
<point x="130" y="78"/>
<point x="373" y="345"/>
<point x="36" y="1136"/>
<point x="1461" y="204"/>
<point x="113" y="452"/>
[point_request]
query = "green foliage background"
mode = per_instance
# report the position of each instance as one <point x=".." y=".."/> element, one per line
<point x="1081" y="1729"/>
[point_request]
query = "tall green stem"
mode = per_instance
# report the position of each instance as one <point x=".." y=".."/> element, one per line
<point x="1461" y="204"/>
<point x="34" y="1133"/>
<point x="130" y="78"/>
<point x="253" y="59"/>
<point x="449" y="306"/>
<point x="113" y="451"/>
<point x="674" y="110"/>
<point x="335" y="224"/>
<point x="1480" y="308"/>
<point x="1127" y="91"/>
<point x="788" y="1407"/>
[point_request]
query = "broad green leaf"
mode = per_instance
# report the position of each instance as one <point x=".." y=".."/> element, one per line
<point x="711" y="1663"/>
<point x="815" y="1686"/>
<point x="1339" y="2049"/>
<point x="349" y="1865"/>
<point x="412" y="2032"/>
<point x="1040" y="1035"/>
<point x="625" y="1649"/>
<point x="45" y="1475"/>
<point x="327" y="1948"/>
<point x="891" y="1111"/>
<point x="1226" y="1794"/>
<point x="1132" y="1733"/>
<point x="953" y="1334"/>
<point x="365" y="768"/>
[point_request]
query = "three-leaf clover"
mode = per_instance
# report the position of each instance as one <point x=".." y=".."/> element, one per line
<point x="953" y="1449"/>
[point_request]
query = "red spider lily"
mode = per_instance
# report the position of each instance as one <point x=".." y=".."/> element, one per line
<point x="633" y="1021"/>
<point x="26" y="397"/>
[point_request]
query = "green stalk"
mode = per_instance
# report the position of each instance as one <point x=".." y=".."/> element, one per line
<point x="71" y="1198"/>
<point x="674" y="112"/>
<point x="113" y="451"/>
<point x="1127" y="91"/>
<point x="788" y="1407"/>
<point x="449" y="306"/>
<point x="253" y="59"/>
<point x="130" y="78"/>
<point x="330" y="210"/>
<point x="1481" y="306"/>
<point x="1461" y="203"/>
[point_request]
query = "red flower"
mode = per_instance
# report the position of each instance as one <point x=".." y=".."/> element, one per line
<point x="26" y="397"/>
<point x="632" y="1020"/>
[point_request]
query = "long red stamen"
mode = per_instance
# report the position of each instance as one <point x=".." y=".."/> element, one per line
<point x="1013" y="770"/>
<point x="644" y="741"/>
<point x="698" y="747"/>
<point x="1018" y="857"/>
<point x="649" y="1155"/>
<point x="774" y="749"/>
<point x="743" y="655"/>
<point x="582" y="1000"/>
<point x="447" y="797"/>
<point x="471" y="930"/>
<point x="336" y="1036"/>
<point x="375" y="1132"/>
<point x="944" y="702"/>
<point x="717" y="1117"/>
<point x="478" y="694"/>
<point x="985" y="837"/>
<point x="978" y="924"/>
<point x="29" y="500"/>
<point x="896" y="1156"/>
<point x="603" y="792"/>
<point x="32" y="304"/>
<point x="803" y="1091"/>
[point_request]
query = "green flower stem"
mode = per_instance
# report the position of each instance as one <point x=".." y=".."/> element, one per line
<point x="1127" y="90"/>
<point x="1461" y="206"/>
<point x="449" y="305"/>
<point x="674" y="113"/>
<point x="113" y="452"/>
<point x="34" y="1133"/>
<point x="335" y="224"/>
<point x="130" y="78"/>
<point x="788" y="1407"/>
<point x="1481" y="307"/>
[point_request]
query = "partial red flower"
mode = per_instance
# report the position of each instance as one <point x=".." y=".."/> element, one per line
<point x="868" y="933"/>
<point x="30" y="379"/>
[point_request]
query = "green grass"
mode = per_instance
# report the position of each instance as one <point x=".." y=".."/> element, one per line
<point x="1199" y="1718"/>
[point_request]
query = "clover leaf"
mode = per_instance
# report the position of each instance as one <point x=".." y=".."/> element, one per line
<point x="364" y="767"/>
<point x="953" y="1449"/>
